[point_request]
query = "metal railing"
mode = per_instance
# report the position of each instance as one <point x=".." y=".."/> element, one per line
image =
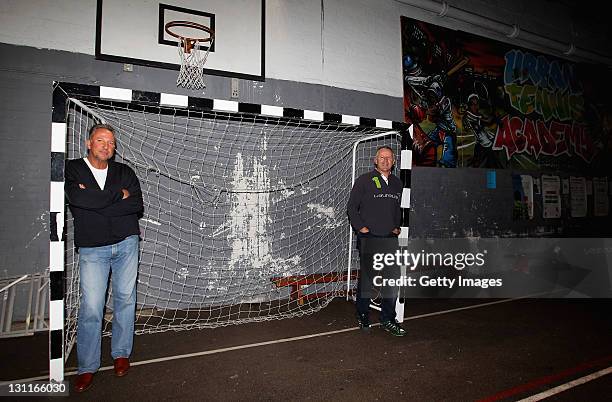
<point x="29" y="291"/>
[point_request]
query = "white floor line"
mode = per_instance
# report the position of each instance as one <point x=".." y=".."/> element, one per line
<point x="276" y="341"/>
<point x="566" y="386"/>
<point x="415" y="317"/>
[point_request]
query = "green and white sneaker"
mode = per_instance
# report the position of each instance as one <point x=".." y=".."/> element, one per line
<point x="363" y="321"/>
<point x="393" y="328"/>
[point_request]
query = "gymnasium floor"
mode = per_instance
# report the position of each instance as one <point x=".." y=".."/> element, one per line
<point x="456" y="350"/>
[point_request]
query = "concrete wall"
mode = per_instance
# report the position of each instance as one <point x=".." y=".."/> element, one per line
<point x="341" y="56"/>
<point x="351" y="44"/>
<point x="26" y="79"/>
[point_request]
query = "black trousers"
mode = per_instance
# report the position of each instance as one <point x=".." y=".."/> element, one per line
<point x="364" y="283"/>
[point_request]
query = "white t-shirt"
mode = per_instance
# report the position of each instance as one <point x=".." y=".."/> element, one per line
<point x="99" y="174"/>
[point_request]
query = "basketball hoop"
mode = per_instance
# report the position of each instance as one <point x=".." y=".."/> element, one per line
<point x="193" y="58"/>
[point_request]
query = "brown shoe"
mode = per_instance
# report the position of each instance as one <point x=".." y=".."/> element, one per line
<point x="122" y="365"/>
<point x="83" y="382"/>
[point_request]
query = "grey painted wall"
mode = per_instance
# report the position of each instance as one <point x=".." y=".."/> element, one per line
<point x="445" y="202"/>
<point x="26" y="77"/>
<point x="457" y="203"/>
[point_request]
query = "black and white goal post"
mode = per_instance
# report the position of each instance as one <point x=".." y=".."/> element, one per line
<point x="405" y="176"/>
<point x="56" y="246"/>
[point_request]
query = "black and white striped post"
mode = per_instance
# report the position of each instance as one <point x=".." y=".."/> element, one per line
<point x="56" y="246"/>
<point x="405" y="176"/>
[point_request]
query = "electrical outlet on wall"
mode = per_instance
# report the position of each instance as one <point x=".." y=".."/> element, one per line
<point x="235" y="92"/>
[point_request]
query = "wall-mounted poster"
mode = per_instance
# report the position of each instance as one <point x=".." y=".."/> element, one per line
<point x="522" y="187"/>
<point x="565" y="186"/>
<point x="578" y="197"/>
<point x="600" y="196"/>
<point x="536" y="185"/>
<point x="475" y="102"/>
<point x="551" y="196"/>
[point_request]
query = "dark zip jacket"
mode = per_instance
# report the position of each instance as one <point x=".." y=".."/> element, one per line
<point x="375" y="204"/>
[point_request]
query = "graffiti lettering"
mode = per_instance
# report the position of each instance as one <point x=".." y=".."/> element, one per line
<point x="550" y="105"/>
<point x="521" y="67"/>
<point x="535" y="85"/>
<point x="523" y="135"/>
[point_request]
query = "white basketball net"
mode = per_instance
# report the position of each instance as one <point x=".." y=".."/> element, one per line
<point x="191" y="74"/>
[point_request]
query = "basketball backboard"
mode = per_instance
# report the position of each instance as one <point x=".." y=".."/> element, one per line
<point x="133" y="32"/>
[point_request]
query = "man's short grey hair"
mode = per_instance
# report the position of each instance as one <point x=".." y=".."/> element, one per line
<point x="385" y="147"/>
<point x="99" y="126"/>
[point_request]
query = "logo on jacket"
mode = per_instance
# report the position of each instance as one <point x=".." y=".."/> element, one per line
<point x="377" y="181"/>
<point x="387" y="195"/>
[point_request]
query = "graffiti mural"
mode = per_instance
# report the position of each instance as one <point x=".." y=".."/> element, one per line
<point x="476" y="102"/>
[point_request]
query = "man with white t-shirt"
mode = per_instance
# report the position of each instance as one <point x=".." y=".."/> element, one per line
<point x="106" y="201"/>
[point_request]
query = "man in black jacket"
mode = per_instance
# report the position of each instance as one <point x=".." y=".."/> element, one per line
<point x="106" y="201"/>
<point x="374" y="212"/>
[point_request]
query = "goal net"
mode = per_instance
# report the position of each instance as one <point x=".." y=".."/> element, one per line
<point x="245" y="215"/>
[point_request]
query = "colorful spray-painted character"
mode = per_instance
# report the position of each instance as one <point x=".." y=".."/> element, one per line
<point x="474" y="125"/>
<point x="426" y="99"/>
<point x="445" y="132"/>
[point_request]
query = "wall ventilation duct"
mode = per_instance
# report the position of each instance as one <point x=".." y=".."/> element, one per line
<point x="511" y="31"/>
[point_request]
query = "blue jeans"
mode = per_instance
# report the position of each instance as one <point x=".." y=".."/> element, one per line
<point x="95" y="265"/>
